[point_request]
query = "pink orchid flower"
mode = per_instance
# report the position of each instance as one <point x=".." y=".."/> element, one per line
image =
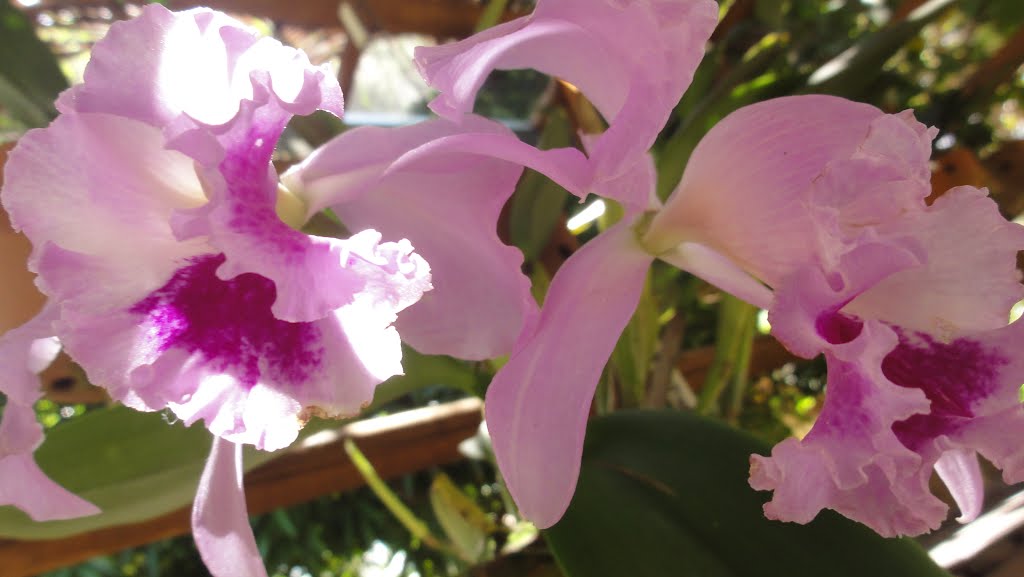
<point x="151" y="204"/>
<point x="822" y="199"/>
<point x="909" y="302"/>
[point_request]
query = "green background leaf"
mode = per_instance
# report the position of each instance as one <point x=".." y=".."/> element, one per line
<point x="135" y="466"/>
<point x="665" y="493"/>
<point x="30" y="78"/>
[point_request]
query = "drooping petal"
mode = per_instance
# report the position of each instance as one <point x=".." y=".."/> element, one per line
<point x="817" y="171"/>
<point x="24" y="352"/>
<point x="537" y="405"/>
<point x="25" y="485"/>
<point x="591" y="44"/>
<point x="220" y="519"/>
<point x="450" y="192"/>
<point x="960" y="471"/>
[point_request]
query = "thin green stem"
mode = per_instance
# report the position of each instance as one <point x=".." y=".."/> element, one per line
<point x="405" y="516"/>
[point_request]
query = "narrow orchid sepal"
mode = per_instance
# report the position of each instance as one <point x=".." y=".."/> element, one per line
<point x="220" y="519"/>
<point x="538" y="404"/>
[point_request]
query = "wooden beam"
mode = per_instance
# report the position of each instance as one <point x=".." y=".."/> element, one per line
<point x="397" y="445"/>
<point x="768" y="354"/>
<point x="439" y="18"/>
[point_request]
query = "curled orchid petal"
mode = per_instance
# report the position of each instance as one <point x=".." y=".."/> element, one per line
<point x="596" y="42"/>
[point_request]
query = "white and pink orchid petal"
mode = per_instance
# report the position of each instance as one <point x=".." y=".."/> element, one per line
<point x="220" y="95"/>
<point x="451" y="194"/>
<point x="993" y="436"/>
<point x="815" y="174"/>
<point x="88" y="181"/>
<point x="240" y="221"/>
<point x="25" y="485"/>
<point x="969" y="281"/>
<point x="960" y="471"/>
<point x="537" y="405"/>
<point x="596" y="46"/>
<point x="148" y="70"/>
<point x="220" y="519"/>
<point x="360" y="157"/>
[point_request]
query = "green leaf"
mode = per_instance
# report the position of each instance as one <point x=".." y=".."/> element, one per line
<point x="426" y="371"/>
<point x="135" y="466"/>
<point x="737" y="322"/>
<point x="631" y="358"/>
<point x="132" y="465"/>
<point x="30" y="79"/>
<point x="853" y="71"/>
<point x="665" y="493"/>
<point x="538" y="202"/>
<point x="493" y="11"/>
<point x="465" y="524"/>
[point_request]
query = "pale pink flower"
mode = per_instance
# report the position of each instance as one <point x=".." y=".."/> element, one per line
<point x="822" y="199"/>
<point x="150" y="202"/>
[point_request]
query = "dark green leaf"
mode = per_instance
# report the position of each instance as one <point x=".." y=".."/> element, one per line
<point x="538" y="202"/>
<point x="30" y="79"/>
<point x="135" y="466"/>
<point x="853" y="71"/>
<point x="665" y="493"/>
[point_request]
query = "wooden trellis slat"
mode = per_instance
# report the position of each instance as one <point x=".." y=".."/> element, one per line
<point x="440" y="18"/>
<point x="396" y="445"/>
